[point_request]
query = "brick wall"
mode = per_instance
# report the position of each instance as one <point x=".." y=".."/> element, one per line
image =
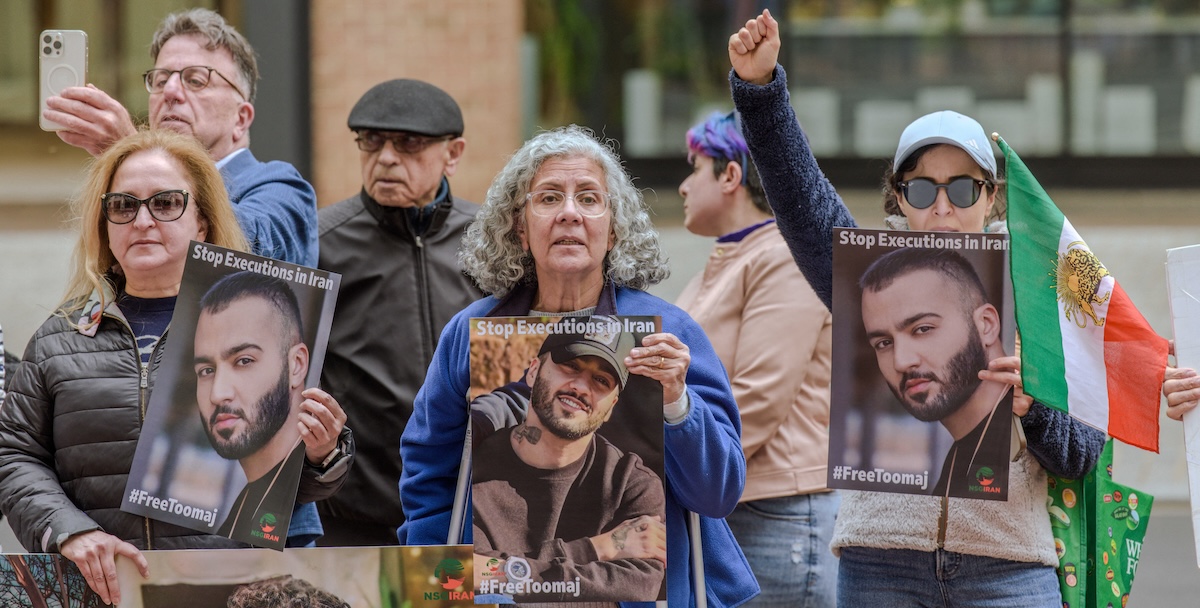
<point x="469" y="48"/>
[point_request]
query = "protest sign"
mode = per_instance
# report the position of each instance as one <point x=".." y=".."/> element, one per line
<point x="1183" y="283"/>
<point x="220" y="449"/>
<point x="917" y="316"/>
<point x="358" y="577"/>
<point x="567" y="470"/>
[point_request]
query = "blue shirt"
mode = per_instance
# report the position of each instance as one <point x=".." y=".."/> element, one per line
<point x="148" y="318"/>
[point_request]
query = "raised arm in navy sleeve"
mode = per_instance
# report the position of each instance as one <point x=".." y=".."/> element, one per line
<point x="806" y="205"/>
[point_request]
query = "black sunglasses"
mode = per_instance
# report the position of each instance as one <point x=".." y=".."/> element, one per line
<point x="165" y="206"/>
<point x="963" y="192"/>
<point x="408" y="143"/>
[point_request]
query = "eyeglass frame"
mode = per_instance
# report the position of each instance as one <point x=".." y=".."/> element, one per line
<point x="182" y="82"/>
<point x="140" y="202"/>
<point x="427" y="140"/>
<point x="977" y="186"/>
<point x="606" y="197"/>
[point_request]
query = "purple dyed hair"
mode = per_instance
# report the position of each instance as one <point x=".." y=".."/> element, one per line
<point x="719" y="137"/>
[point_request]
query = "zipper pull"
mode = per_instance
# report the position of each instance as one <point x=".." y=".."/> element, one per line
<point x="145" y="376"/>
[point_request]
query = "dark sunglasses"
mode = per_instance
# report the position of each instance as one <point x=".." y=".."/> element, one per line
<point x="407" y="143"/>
<point x="165" y="206"/>
<point x="963" y="192"/>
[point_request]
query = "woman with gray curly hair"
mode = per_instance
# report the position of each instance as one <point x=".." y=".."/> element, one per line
<point x="563" y="232"/>
<point x="496" y="257"/>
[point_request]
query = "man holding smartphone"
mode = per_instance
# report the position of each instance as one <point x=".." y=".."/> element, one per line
<point x="203" y="84"/>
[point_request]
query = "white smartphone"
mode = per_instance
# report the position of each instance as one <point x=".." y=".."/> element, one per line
<point x="64" y="59"/>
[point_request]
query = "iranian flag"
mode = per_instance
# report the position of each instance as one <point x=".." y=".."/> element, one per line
<point x="1085" y="349"/>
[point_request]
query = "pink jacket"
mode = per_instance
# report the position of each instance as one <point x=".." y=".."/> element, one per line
<point x="774" y="336"/>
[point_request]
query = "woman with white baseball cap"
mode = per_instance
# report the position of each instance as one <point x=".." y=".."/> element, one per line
<point x="900" y="549"/>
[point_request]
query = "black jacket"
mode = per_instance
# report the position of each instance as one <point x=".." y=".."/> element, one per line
<point x="398" y="291"/>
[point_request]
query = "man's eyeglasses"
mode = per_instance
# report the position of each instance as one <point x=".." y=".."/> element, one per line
<point x="963" y="192"/>
<point x="165" y="206"/>
<point x="405" y="143"/>
<point x="547" y="203"/>
<point x="193" y="78"/>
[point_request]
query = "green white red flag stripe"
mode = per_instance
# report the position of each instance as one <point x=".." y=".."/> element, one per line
<point x="1085" y="348"/>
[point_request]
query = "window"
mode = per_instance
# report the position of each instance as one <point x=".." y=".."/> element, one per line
<point x="119" y="33"/>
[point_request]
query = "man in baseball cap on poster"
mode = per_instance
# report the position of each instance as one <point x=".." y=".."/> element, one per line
<point x="557" y="504"/>
<point x="610" y="347"/>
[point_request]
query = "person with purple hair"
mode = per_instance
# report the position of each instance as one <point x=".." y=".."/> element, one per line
<point x="774" y="336"/>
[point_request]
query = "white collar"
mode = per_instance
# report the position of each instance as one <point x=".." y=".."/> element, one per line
<point x="228" y="157"/>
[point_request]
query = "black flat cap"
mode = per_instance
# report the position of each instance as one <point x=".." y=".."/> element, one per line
<point x="407" y="105"/>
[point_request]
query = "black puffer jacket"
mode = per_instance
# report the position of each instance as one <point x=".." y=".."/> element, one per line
<point x="68" y="431"/>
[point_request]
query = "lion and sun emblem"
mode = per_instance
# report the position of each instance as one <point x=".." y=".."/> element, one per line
<point x="1078" y="276"/>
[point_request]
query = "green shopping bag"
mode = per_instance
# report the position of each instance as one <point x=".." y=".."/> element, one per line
<point x="1098" y="527"/>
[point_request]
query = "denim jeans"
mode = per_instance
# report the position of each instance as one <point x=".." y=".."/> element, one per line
<point x="786" y="541"/>
<point x="903" y="578"/>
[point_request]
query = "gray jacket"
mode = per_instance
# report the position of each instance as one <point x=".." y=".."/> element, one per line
<point x="398" y="291"/>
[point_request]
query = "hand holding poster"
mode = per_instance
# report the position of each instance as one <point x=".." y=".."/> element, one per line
<point x="567" y="480"/>
<point x="221" y="450"/>
<point x="918" y="316"/>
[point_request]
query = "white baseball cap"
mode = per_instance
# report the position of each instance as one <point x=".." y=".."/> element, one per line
<point x="946" y="127"/>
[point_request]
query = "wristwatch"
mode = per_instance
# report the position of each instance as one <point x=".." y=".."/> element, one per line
<point x="334" y="455"/>
<point x="337" y="458"/>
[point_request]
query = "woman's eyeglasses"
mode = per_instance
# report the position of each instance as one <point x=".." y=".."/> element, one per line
<point x="165" y="206"/>
<point x="963" y="192"/>
<point x="547" y="203"/>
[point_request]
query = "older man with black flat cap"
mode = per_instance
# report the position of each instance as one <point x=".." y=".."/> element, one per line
<point x="395" y="244"/>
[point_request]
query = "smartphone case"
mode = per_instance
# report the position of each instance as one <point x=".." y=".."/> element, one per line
<point x="63" y="55"/>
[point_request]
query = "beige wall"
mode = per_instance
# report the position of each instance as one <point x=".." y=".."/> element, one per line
<point x="470" y="48"/>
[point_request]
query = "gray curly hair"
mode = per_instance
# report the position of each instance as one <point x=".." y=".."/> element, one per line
<point x="491" y="250"/>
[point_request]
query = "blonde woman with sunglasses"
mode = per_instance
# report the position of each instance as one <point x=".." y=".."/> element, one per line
<point x="898" y="549"/>
<point x="75" y="407"/>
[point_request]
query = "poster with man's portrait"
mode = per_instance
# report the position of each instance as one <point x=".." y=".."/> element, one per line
<point x="917" y="316"/>
<point x="567" y="461"/>
<point x="220" y="449"/>
<point x="327" y="577"/>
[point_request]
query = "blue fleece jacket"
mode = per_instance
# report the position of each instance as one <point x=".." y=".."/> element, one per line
<point x="704" y="464"/>
<point x="807" y="209"/>
<point x="275" y="207"/>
